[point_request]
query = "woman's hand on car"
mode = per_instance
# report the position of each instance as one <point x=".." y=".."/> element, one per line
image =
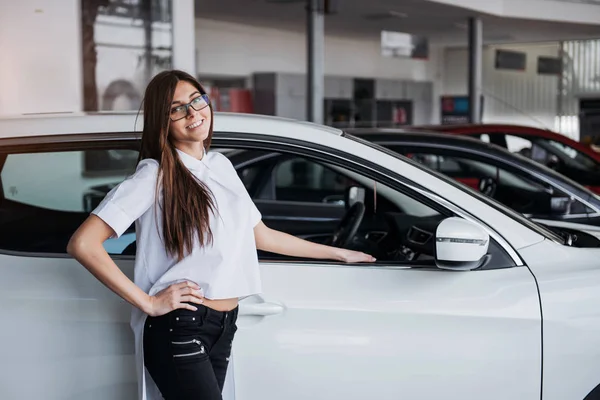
<point x="350" y="256"/>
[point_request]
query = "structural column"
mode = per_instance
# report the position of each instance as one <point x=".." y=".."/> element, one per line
<point x="315" y="45"/>
<point x="184" y="36"/>
<point x="475" y="68"/>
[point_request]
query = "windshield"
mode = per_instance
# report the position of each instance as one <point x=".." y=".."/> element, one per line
<point x="539" y="228"/>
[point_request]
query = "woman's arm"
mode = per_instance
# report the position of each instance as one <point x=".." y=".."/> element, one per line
<point x="86" y="247"/>
<point x="268" y="239"/>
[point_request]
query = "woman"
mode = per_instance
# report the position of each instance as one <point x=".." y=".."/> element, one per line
<point x="197" y="233"/>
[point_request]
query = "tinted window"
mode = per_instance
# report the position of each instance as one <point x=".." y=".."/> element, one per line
<point x="299" y="179"/>
<point x="249" y="175"/>
<point x="45" y="205"/>
<point x="445" y="165"/>
<point x="400" y="153"/>
<point x="513" y="188"/>
<point x="545" y="151"/>
<point x="569" y="155"/>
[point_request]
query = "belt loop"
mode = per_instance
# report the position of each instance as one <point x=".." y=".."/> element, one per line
<point x="209" y="312"/>
<point x="232" y="316"/>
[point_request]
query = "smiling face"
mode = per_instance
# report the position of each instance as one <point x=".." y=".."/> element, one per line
<point x="189" y="128"/>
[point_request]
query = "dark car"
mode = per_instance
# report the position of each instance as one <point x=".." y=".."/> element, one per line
<point x="514" y="180"/>
<point x="563" y="154"/>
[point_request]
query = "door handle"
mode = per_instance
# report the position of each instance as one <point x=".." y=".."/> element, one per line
<point x="262" y="309"/>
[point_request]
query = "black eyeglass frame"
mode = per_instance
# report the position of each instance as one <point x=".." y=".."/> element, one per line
<point x="187" y="106"/>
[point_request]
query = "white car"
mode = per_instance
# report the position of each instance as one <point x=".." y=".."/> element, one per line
<point x="467" y="300"/>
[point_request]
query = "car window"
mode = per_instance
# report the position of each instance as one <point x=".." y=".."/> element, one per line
<point x="519" y="191"/>
<point x="394" y="212"/>
<point x="569" y="155"/>
<point x="299" y="179"/>
<point x="388" y="217"/>
<point x="497" y="138"/>
<point x="544" y="151"/>
<point x="248" y="175"/>
<point x="63" y="181"/>
<point x="42" y="207"/>
<point x="315" y="182"/>
<point x="445" y="165"/>
<point x="48" y="194"/>
<point x="399" y="152"/>
<point x="520" y="145"/>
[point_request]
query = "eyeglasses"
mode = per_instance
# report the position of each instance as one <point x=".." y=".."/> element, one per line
<point x="197" y="104"/>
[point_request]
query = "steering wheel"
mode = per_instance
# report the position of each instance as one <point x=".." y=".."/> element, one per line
<point x="348" y="226"/>
<point x="488" y="186"/>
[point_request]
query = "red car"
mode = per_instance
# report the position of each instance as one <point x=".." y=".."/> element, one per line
<point x="564" y="155"/>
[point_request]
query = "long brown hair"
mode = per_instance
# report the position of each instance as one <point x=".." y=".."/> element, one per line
<point x="187" y="202"/>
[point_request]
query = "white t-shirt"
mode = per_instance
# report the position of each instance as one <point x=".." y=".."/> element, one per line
<point x="226" y="268"/>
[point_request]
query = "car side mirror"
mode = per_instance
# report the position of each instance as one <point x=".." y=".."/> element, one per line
<point x="460" y="245"/>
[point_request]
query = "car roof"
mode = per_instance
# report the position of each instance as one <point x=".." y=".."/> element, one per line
<point x="457" y="127"/>
<point x="437" y="138"/>
<point x="25" y="125"/>
<point x="414" y="135"/>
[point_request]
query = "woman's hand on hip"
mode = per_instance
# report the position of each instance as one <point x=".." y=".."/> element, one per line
<point x="175" y="296"/>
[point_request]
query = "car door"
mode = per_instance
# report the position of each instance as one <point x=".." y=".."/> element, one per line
<point x="389" y="330"/>
<point x="64" y="335"/>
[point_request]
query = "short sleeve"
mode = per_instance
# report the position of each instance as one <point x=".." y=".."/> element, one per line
<point x="255" y="215"/>
<point x="126" y="202"/>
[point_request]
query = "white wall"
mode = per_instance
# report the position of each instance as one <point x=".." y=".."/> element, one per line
<point x="40" y="67"/>
<point x="40" y="49"/>
<point x="40" y="53"/>
<point x="225" y="48"/>
<point x="510" y="96"/>
<point x="117" y="61"/>
<point x="230" y="49"/>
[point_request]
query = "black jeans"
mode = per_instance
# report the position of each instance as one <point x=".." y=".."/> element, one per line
<point x="187" y="352"/>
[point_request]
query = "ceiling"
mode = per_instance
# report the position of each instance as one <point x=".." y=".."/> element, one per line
<point x="582" y="1"/>
<point x="442" y="24"/>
